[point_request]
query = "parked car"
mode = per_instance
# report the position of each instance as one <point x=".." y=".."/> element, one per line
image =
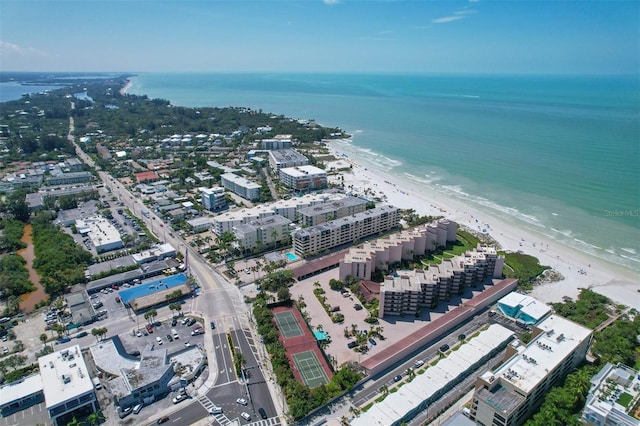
<point x="444" y="348"/>
<point x="149" y="328"/>
<point x="215" y="410"/>
<point x="185" y="320"/>
<point x="124" y="412"/>
<point x="262" y="413"/>
<point x="134" y="353"/>
<point x="137" y="408"/>
<point x="419" y="363"/>
<point x="191" y="322"/>
<point x="64" y="339"/>
<point x="162" y="420"/>
<point x="352" y="345"/>
<point x="372" y="341"/>
<point x="159" y="340"/>
<point x="397" y="378"/>
<point x="81" y="334"/>
<point x="242" y="401"/>
<point x="196" y="331"/>
<point x="169" y="338"/>
<point x="179" y="398"/>
<point x="462" y="336"/>
<point x="139" y="333"/>
<point x="213" y="325"/>
<point x="357" y="307"/>
<point x="245" y="416"/>
<point x="174" y="322"/>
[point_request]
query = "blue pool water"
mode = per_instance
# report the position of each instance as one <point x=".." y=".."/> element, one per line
<point x="129" y="294"/>
<point x="321" y="335"/>
<point x="292" y="257"/>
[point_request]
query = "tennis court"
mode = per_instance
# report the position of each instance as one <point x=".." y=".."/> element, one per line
<point x="288" y="325"/>
<point x="310" y="369"/>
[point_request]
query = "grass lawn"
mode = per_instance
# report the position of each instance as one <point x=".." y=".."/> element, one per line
<point x="625" y="399"/>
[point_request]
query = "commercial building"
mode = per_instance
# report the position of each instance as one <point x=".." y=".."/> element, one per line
<point x="303" y="178"/>
<point x="69" y="178"/>
<point x="522" y="308"/>
<point x="133" y="381"/>
<point x="262" y="233"/>
<point x="103" y="235"/>
<point x="199" y="224"/>
<point x="346" y="230"/>
<point x="283" y="158"/>
<point x="425" y="389"/>
<point x="157" y="252"/>
<point x="213" y="198"/>
<point x="240" y="186"/>
<point x="613" y="396"/>
<point x="67" y="385"/>
<point x="21" y="394"/>
<point x="361" y="261"/>
<point x="512" y="393"/>
<point x="324" y="212"/>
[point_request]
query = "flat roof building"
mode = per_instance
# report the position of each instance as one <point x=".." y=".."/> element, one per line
<point x="512" y="392"/>
<point x="613" y="396"/>
<point x="240" y="186"/>
<point x="103" y="235"/>
<point x="303" y="178"/>
<point x="262" y="233"/>
<point x="276" y="143"/>
<point x="347" y="230"/>
<point x="199" y="224"/>
<point x="425" y="389"/>
<point x="324" y="212"/>
<point x="21" y="394"/>
<point x="157" y="252"/>
<point x="524" y="308"/>
<point x="69" y="178"/>
<point x="213" y="198"/>
<point x="66" y="384"/>
<point x="283" y="158"/>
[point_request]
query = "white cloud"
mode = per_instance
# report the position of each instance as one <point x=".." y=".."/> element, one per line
<point x="330" y="2"/>
<point x="14" y="49"/>
<point x="446" y="19"/>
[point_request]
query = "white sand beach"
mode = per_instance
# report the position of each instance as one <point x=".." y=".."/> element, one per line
<point x="580" y="270"/>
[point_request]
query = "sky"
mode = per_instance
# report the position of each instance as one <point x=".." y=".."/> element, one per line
<point x="477" y="36"/>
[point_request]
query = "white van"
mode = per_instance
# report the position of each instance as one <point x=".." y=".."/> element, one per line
<point x="96" y="383"/>
<point x="137" y="408"/>
<point x="175" y="334"/>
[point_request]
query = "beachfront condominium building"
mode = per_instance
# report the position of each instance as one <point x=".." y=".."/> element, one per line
<point x="240" y="186"/>
<point x="283" y="158"/>
<point x="68" y="389"/>
<point x="213" y="198"/>
<point x="225" y="222"/>
<point x="278" y="142"/>
<point x="361" y="261"/>
<point x="303" y="178"/>
<point x="406" y="292"/>
<point x="324" y="212"/>
<point x="346" y="230"/>
<point x="512" y="392"/>
<point x="613" y="397"/>
<point x="261" y="234"/>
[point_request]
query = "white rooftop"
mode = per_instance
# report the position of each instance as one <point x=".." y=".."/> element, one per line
<point x="239" y="180"/>
<point x="64" y="376"/>
<point x="98" y="229"/>
<point x="559" y="338"/>
<point x="20" y="389"/>
<point x="301" y="171"/>
<point x="409" y="396"/>
<point x="528" y="305"/>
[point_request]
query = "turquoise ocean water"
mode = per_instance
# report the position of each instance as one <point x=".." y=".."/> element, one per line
<point x="556" y="155"/>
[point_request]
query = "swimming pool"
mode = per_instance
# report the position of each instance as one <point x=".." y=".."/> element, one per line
<point x="149" y="288"/>
<point x="292" y="257"/>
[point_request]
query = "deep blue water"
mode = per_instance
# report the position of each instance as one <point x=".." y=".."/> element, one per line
<point x="556" y="154"/>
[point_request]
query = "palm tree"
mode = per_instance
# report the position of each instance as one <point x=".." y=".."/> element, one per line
<point x="43" y="339"/>
<point x="94" y="418"/>
<point x="95" y="332"/>
<point x="384" y="390"/>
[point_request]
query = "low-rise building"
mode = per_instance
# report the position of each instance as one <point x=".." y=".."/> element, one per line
<point x="303" y="178"/>
<point x="157" y="252"/>
<point x="346" y="230"/>
<point x="67" y="385"/>
<point x="240" y="186"/>
<point x="613" y="396"/>
<point x="199" y="224"/>
<point x="103" y="235"/>
<point x="513" y="391"/>
<point x="69" y="178"/>
<point x="21" y="394"/>
<point x="283" y="158"/>
<point x="213" y="198"/>
<point x="523" y="308"/>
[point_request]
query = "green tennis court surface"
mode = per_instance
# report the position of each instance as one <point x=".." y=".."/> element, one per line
<point x="288" y="325"/>
<point x="310" y="369"/>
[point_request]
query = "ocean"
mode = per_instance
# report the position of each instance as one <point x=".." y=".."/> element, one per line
<point x="557" y="155"/>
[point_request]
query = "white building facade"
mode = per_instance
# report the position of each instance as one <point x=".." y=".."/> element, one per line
<point x="303" y="178"/>
<point x="213" y="198"/>
<point x="241" y="186"/>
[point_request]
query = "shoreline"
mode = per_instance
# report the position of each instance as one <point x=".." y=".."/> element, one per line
<point x="579" y="269"/>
